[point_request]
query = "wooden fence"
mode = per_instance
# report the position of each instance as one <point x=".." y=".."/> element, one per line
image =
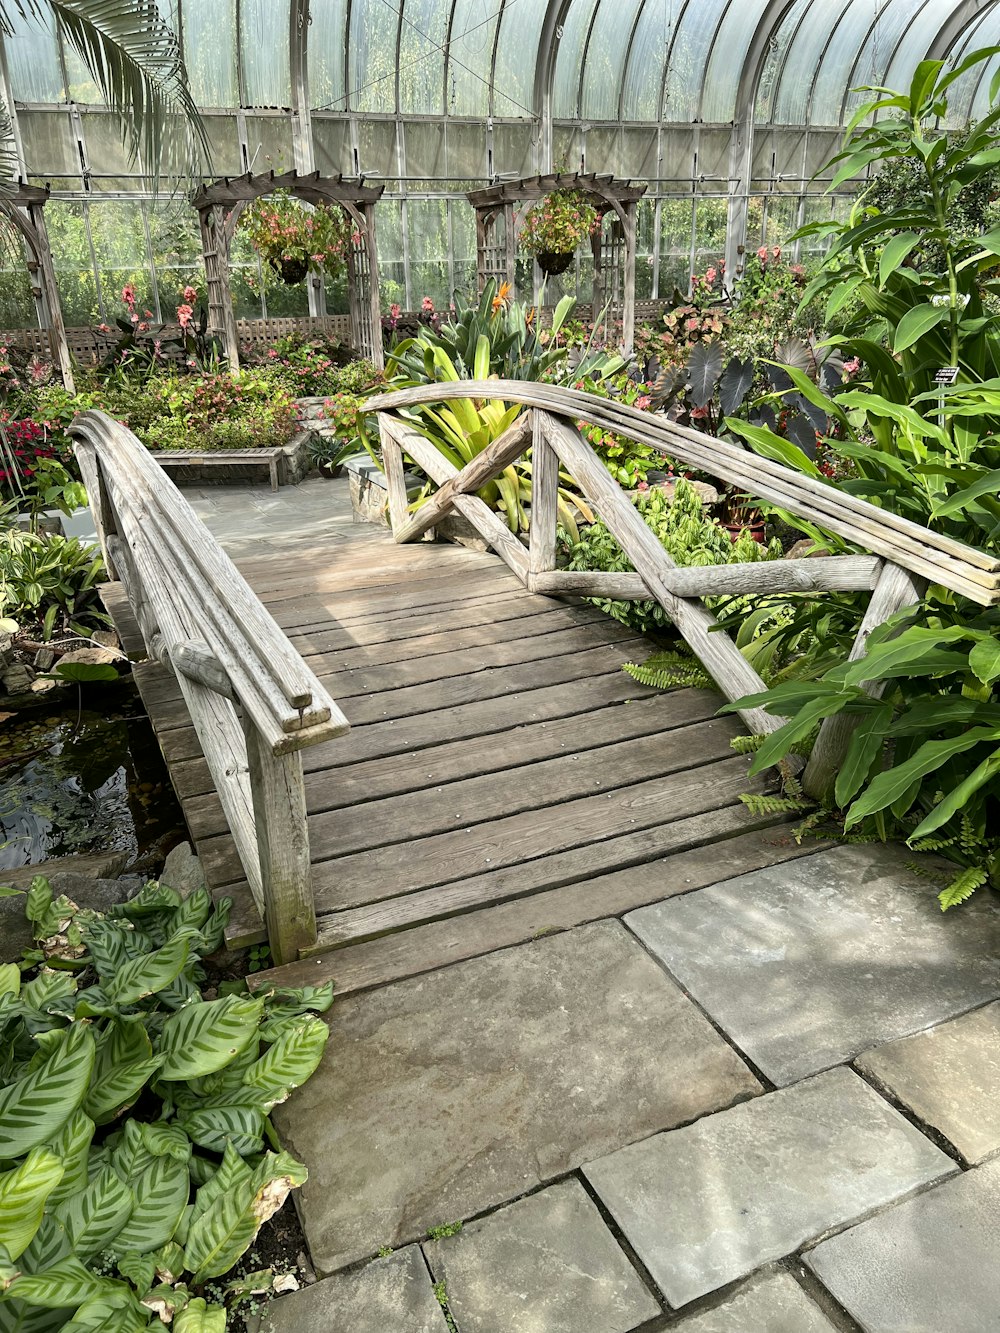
<point x="253" y="701"/>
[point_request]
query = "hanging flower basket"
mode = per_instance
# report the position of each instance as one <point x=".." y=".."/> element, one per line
<point x="554" y="227"/>
<point x="552" y="262"/>
<point x="291" y="271"/>
<point x="293" y="239"/>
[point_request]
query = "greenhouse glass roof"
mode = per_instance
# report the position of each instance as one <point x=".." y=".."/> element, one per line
<point x="727" y="108"/>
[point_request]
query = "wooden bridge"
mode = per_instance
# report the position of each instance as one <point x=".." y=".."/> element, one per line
<point x="418" y="753"/>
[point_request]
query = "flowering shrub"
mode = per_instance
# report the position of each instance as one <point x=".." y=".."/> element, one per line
<point x="558" y="223"/>
<point x="37" y="468"/>
<point x="21" y="372"/>
<point x="628" y="461"/>
<point x="280" y="227"/>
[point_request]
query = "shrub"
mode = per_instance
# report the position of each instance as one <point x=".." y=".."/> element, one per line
<point x="49" y="581"/>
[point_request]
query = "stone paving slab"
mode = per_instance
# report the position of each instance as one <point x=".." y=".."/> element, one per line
<point x="447" y="1094"/>
<point x="546" y="1264"/>
<point x="709" y="1203"/>
<point x="392" y="1295"/>
<point x="771" y="1304"/>
<point x="949" y="1077"/>
<point x="927" y="1266"/>
<point x="807" y="964"/>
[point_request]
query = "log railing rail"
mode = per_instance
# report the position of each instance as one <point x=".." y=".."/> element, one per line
<point x="896" y="557"/>
<point x="253" y="701"/>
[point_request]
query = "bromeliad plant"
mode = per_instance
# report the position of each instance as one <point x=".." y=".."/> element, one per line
<point x="496" y="338"/>
<point x="134" y="1117"/>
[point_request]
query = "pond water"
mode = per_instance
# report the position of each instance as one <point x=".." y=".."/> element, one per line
<point x="88" y="781"/>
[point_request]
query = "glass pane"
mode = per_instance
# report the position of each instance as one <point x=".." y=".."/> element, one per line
<point x="17" y="307"/>
<point x="372" y="52"/>
<point x="326" y="54"/>
<point x="686" y="68"/>
<point x="566" y="84"/>
<point x="119" y="239"/>
<point x="421" y="59"/>
<point x="606" y="51"/>
<point x="470" y="64"/>
<point x="676" y="231"/>
<point x="264" y="53"/>
<point x="32" y="58"/>
<point x="912" y="47"/>
<point x="795" y="81"/>
<point x="109" y="162"/>
<point x="332" y="145"/>
<point x="269" y="143"/>
<point x="49" y="143"/>
<point x="856" y="56"/>
<point x="725" y="64"/>
<point x="176" y="244"/>
<point x="209" y="28"/>
<point x="644" y="72"/>
<point x="68" y="240"/>
<point x="775" y="59"/>
<point x="514" y="75"/>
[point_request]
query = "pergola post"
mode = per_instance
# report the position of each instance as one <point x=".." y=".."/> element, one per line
<point x="24" y="208"/>
<point x="228" y="197"/>
<point x="613" y="260"/>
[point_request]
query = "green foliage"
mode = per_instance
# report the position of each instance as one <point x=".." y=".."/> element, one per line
<point x="281" y="227"/>
<point x="50" y="581"/>
<point x="134" y="1113"/>
<point x="687" y="535"/>
<point x="669" y="671"/>
<point x="558" y="223"/>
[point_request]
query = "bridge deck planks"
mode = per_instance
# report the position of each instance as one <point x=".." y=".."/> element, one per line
<point x="503" y="775"/>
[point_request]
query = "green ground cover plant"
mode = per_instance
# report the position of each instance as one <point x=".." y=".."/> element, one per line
<point x="137" y="1158"/>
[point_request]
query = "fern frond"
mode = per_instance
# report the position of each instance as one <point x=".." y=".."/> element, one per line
<point x="809" y="826"/>
<point x="963" y="886"/>
<point x="934" y="844"/>
<point x="759" y="804"/>
<point x="747" y="744"/>
<point x="669" y="671"/>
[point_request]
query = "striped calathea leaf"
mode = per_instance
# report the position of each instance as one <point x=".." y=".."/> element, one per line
<point x="134" y="1116"/>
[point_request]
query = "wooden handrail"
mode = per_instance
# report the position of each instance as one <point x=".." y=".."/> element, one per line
<point x="899" y="558"/>
<point x="253" y="701"/>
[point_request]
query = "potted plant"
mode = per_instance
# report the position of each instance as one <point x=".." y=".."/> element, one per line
<point x="555" y="226"/>
<point x="294" y="239"/>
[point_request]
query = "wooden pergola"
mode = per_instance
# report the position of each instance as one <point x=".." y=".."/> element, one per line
<point x="220" y="205"/>
<point x="613" y="245"/>
<point x="24" y="208"/>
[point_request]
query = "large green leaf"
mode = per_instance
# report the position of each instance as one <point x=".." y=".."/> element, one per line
<point x="115" y="1312"/>
<point x="200" y="1317"/>
<point x="161" y="1195"/>
<point x="201" y="1038"/>
<point x="64" y="1285"/>
<point x="866" y="744"/>
<point x="95" y="1216"/>
<point x="959" y="797"/>
<point x="232" y="1174"/>
<point x="289" y="1062"/>
<point x="10" y="979"/>
<point x="916" y="323"/>
<point x="779" y="742"/>
<point x="984" y="660"/>
<point x="239" y="1122"/>
<point x="23" y="1195"/>
<point x="72" y="1146"/>
<point x="35" y="1108"/>
<point x="888" y="786"/>
<point x="894" y="252"/>
<point x="769" y="445"/>
<point x="149" y="973"/>
<point x="225" y="1230"/>
<point x="125" y="1063"/>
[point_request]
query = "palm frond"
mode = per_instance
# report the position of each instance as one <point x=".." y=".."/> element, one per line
<point x="135" y="60"/>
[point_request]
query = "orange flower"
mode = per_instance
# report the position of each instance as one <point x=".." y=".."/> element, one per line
<point x="502" y="297"/>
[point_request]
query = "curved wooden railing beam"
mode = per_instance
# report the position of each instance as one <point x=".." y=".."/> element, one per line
<point x="253" y="701"/>
<point x="897" y="558"/>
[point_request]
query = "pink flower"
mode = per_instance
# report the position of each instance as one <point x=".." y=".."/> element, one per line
<point x="776" y="252"/>
<point x="144" y="327"/>
<point x="184" y="313"/>
<point x="642" y="486"/>
<point x="762" y="254"/>
<point x="190" y="294"/>
<point x="852" y="366"/>
<point x="128" y="294"/>
<point x="104" y="328"/>
<point x="642" y="402"/>
<point x="147" y="314"/>
<point x="272" y="353"/>
<point x="317" y="259"/>
<point x="710" y="275"/>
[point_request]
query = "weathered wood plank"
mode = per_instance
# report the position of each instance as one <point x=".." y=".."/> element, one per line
<point x="412" y="734"/>
<point x="474" y="848"/>
<point x="818" y="574"/>
<point x="544" y="506"/>
<point x="719" y="855"/>
<point x="457" y="761"/>
<point x="495" y="682"/>
<point x="523" y="790"/>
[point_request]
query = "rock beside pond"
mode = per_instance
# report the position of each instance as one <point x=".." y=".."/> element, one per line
<point x="91" y="656"/>
<point x="17" y="679"/>
<point x="86" y="879"/>
<point x="182" y="870"/>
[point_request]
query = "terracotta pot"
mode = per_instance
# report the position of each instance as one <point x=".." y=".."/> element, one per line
<point x="291" y="271"/>
<point x="554" y="261"/>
